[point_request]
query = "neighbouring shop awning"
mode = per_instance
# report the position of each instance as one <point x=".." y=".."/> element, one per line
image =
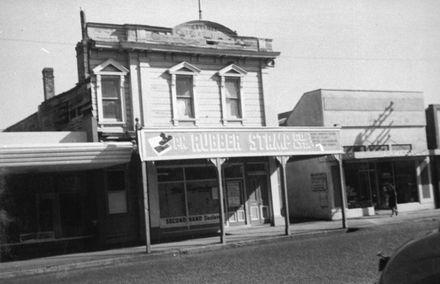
<point x="384" y="154"/>
<point x="434" y="152"/>
<point x="178" y="143"/>
<point x="63" y="156"/>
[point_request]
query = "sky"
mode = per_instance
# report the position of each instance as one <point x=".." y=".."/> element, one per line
<point x="324" y="44"/>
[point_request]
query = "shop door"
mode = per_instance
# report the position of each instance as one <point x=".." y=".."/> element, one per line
<point x="258" y="199"/>
<point x="384" y="175"/>
<point x="235" y="213"/>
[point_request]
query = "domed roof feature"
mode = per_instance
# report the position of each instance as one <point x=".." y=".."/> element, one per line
<point x="204" y="29"/>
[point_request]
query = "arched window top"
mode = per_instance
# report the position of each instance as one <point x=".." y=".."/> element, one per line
<point x="110" y="67"/>
<point x="232" y="70"/>
<point x="184" y="68"/>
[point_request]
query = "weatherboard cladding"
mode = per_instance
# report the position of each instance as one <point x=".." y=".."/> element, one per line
<point x="207" y="96"/>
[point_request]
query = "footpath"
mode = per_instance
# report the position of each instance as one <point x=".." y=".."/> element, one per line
<point x="234" y="237"/>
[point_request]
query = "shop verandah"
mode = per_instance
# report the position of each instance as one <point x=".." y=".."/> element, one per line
<point x="48" y="191"/>
<point x="183" y="188"/>
<point x="244" y="167"/>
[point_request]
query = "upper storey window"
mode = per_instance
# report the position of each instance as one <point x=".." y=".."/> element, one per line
<point x="111" y="98"/>
<point x="232" y="90"/>
<point x="184" y="99"/>
<point x="110" y="89"/>
<point x="185" y="96"/>
<point x="231" y="85"/>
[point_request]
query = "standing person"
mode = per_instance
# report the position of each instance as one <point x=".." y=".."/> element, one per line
<point x="392" y="198"/>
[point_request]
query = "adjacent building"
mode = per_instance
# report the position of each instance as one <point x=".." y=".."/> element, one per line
<point x="433" y="136"/>
<point x="384" y="142"/>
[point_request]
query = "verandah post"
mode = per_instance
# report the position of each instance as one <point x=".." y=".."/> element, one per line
<point x="283" y="161"/>
<point x="218" y="162"/>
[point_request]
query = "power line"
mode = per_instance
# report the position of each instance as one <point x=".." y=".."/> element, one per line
<point x="37" y="41"/>
<point x="357" y="58"/>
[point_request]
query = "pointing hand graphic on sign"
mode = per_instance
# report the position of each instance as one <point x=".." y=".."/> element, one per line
<point x="160" y="143"/>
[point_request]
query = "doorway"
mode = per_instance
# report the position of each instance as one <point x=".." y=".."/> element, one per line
<point x="258" y="199"/>
<point x="236" y="214"/>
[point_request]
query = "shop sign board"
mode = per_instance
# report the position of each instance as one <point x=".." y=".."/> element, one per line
<point x="178" y="143"/>
<point x="191" y="220"/>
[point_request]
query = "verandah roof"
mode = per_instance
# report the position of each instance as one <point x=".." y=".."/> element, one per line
<point x="63" y="156"/>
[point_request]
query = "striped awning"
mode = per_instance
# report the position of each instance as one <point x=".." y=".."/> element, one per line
<point x="63" y="156"/>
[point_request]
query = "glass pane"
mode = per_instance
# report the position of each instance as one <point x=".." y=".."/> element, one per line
<point x="184" y="85"/>
<point x="256" y="167"/>
<point x="169" y="174"/>
<point x="202" y="198"/>
<point x="351" y="185"/>
<point x="46" y="214"/>
<point x="71" y="214"/>
<point x="117" y="202"/>
<point x="196" y="173"/>
<point x="232" y="86"/>
<point x="233" y="108"/>
<point x="115" y="180"/>
<point x="233" y="171"/>
<point x="406" y="181"/>
<point x="110" y="87"/>
<point x="233" y="193"/>
<point x="112" y="109"/>
<point x="184" y="108"/>
<point x="172" y="200"/>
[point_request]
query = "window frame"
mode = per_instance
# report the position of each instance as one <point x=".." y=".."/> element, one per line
<point x="185" y="98"/>
<point x="183" y="69"/>
<point x="120" y="72"/>
<point x="232" y="72"/>
<point x="109" y="173"/>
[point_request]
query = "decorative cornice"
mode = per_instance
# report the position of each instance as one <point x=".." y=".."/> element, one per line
<point x="131" y="46"/>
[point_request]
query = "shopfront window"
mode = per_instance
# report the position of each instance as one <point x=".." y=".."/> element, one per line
<point x="405" y="181"/>
<point x="365" y="183"/>
<point x="172" y="200"/>
<point x="202" y="199"/>
<point x="360" y="185"/>
<point x="45" y="206"/>
<point x="188" y="196"/>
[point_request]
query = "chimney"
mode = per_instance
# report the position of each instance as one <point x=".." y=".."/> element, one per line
<point x="48" y="83"/>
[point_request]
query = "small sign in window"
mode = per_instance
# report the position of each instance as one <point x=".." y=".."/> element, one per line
<point x="319" y="181"/>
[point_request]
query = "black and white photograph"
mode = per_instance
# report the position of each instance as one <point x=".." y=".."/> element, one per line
<point x="234" y="141"/>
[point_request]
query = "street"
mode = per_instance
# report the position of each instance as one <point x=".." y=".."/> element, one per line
<point x="342" y="257"/>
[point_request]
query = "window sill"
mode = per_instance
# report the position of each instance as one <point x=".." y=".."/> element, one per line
<point x="232" y="120"/>
<point x="113" y="122"/>
<point x="176" y="122"/>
